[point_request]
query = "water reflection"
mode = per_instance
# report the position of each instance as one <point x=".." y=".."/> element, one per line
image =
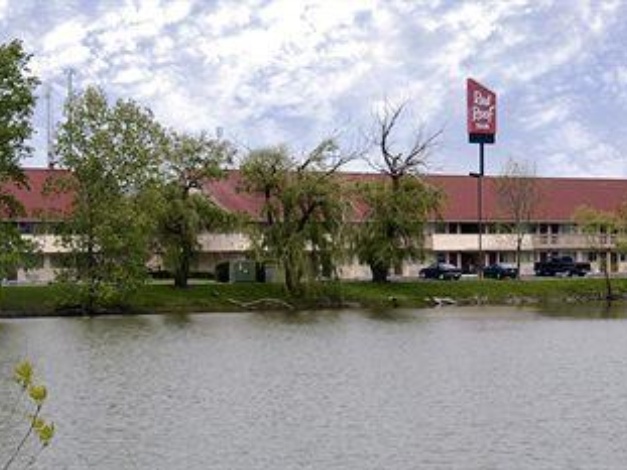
<point x="391" y="315"/>
<point x="589" y="310"/>
<point x="5" y="333"/>
<point x="180" y="320"/>
<point x="469" y="388"/>
<point x="307" y="317"/>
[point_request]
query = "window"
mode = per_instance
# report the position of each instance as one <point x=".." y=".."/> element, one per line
<point x="469" y="228"/>
<point x="505" y="228"/>
<point x="568" y="229"/>
<point x="439" y="227"/>
<point x="509" y="257"/>
<point x="60" y="260"/>
<point x="35" y="261"/>
<point x="25" y="227"/>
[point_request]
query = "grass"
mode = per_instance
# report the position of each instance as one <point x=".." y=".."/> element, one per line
<point x="213" y="297"/>
<point x="486" y="291"/>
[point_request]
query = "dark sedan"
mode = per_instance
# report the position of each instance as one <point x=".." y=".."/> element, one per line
<point x="500" y="271"/>
<point x="443" y="271"/>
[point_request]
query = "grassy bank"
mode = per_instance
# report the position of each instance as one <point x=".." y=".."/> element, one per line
<point x="43" y="300"/>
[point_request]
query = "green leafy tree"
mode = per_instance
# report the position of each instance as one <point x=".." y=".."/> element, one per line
<point x="303" y="211"/>
<point x="605" y="235"/>
<point x="17" y="102"/>
<point x="38" y="428"/>
<point x="398" y="204"/>
<point x="113" y="154"/>
<point x="185" y="212"/>
<point x="394" y="225"/>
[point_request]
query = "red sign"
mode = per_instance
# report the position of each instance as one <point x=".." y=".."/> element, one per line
<point x="481" y="111"/>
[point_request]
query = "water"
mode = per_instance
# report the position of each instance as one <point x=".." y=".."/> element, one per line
<point x="458" y="388"/>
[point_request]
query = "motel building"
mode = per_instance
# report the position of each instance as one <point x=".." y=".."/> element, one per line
<point x="453" y="237"/>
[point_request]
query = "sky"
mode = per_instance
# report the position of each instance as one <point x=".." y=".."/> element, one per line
<point x="269" y="72"/>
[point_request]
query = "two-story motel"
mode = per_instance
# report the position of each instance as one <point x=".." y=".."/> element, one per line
<point x="452" y="237"/>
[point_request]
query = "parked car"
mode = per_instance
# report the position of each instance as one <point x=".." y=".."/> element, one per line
<point x="500" y="271"/>
<point x="561" y="266"/>
<point x="444" y="271"/>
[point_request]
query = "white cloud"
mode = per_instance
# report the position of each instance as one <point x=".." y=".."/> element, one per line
<point x="273" y="70"/>
<point x="130" y="75"/>
<point x="224" y="20"/>
<point x="176" y="11"/>
<point x="539" y="110"/>
<point x="67" y="34"/>
<point x="597" y="14"/>
<point x="573" y="150"/>
<point x="163" y="50"/>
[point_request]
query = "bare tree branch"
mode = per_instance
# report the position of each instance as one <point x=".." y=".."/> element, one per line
<point x="397" y="164"/>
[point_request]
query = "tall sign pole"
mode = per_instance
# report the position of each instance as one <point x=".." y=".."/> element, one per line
<point x="481" y="106"/>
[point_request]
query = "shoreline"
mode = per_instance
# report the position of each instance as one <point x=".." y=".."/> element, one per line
<point x="41" y="301"/>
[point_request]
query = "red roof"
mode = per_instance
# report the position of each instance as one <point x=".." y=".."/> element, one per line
<point x="229" y="195"/>
<point x="559" y="197"/>
<point x="40" y="203"/>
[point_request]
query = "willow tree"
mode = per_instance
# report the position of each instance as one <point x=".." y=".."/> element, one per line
<point x="303" y="212"/>
<point x="399" y="202"/>
<point x="17" y="102"/>
<point x="518" y="196"/>
<point x="113" y="154"/>
<point x="185" y="212"/>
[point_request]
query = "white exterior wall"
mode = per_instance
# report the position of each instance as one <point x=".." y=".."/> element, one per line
<point x="47" y="245"/>
<point x="220" y="247"/>
<point x="224" y="242"/>
<point x="354" y="271"/>
<point x="470" y="242"/>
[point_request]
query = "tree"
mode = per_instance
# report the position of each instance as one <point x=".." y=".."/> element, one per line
<point x="604" y="232"/>
<point x="17" y="102"/>
<point x="41" y="429"/>
<point x="399" y="203"/>
<point x="303" y="211"/>
<point x="518" y="197"/>
<point x="113" y="153"/>
<point x="185" y="212"/>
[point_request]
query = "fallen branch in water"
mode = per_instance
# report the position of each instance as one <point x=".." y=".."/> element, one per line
<point x="252" y="304"/>
<point x="441" y="301"/>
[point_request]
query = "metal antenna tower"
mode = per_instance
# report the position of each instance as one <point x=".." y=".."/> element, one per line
<point x="49" y="129"/>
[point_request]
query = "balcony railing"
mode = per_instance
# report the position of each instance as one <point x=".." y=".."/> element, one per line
<point x="574" y="241"/>
<point x="470" y="242"/>
<point x="507" y="242"/>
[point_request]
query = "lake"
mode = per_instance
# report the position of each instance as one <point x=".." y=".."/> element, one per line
<point x="449" y="388"/>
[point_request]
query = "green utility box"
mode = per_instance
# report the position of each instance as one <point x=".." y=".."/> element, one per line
<point x="237" y="271"/>
<point x="247" y="271"/>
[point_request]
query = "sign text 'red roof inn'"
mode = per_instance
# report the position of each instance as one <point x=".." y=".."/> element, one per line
<point x="481" y="113"/>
